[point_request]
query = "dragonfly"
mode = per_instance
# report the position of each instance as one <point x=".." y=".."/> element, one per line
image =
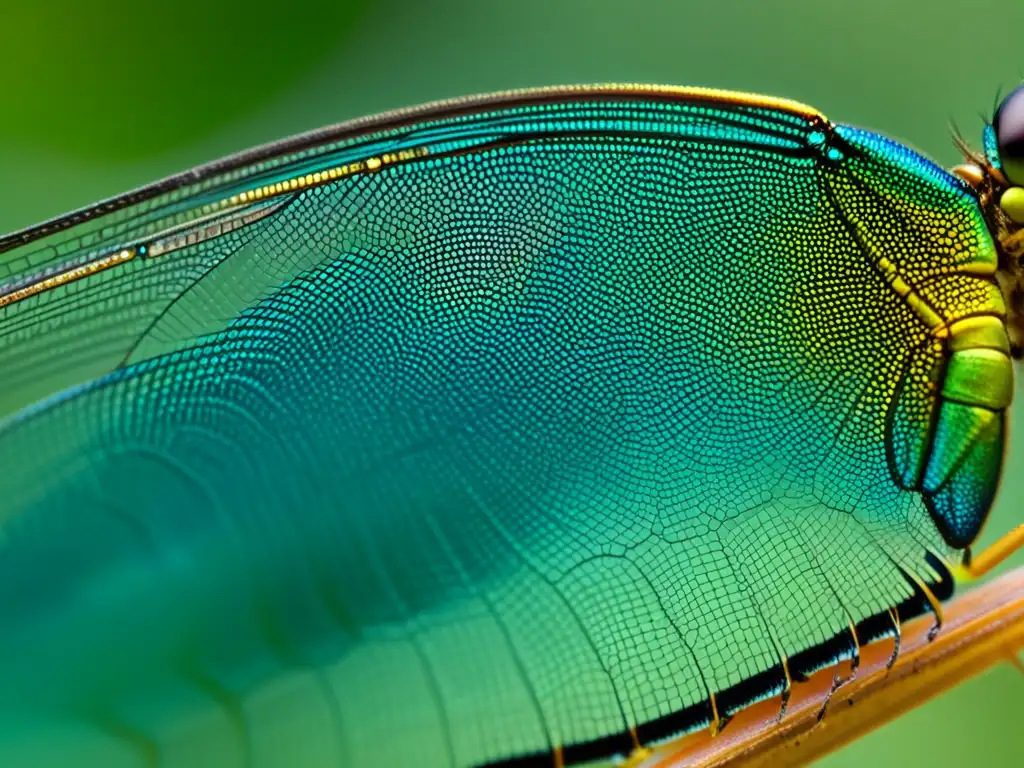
<point x="525" y="429"/>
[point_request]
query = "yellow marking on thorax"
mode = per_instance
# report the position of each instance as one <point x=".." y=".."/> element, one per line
<point x="979" y="332"/>
<point x="69" y="276"/>
<point x="979" y="371"/>
<point x="917" y="305"/>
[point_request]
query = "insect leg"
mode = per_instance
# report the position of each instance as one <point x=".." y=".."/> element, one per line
<point x="787" y="688"/>
<point x="974" y="567"/>
<point x="836" y="682"/>
<point x="855" y="657"/>
<point x="933" y="602"/>
<point x="718" y="721"/>
<point x="897" y="637"/>
<point x="639" y="752"/>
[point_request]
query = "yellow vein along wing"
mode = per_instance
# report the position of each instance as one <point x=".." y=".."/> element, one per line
<point x="509" y="429"/>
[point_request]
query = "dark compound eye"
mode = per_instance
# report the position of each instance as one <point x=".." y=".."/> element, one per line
<point x="1009" y="126"/>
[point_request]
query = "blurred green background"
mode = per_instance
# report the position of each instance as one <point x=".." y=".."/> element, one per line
<point x="101" y="97"/>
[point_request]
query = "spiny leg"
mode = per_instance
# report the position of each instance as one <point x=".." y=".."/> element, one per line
<point x="897" y="638"/>
<point x="837" y="681"/>
<point x="933" y="603"/>
<point x="828" y="696"/>
<point x="936" y="607"/>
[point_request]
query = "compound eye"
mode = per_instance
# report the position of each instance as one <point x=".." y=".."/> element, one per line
<point x="1009" y="127"/>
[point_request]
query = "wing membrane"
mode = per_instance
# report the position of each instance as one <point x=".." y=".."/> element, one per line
<point x="540" y="420"/>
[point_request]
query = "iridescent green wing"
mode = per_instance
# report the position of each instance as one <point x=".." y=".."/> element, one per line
<point x="482" y="431"/>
